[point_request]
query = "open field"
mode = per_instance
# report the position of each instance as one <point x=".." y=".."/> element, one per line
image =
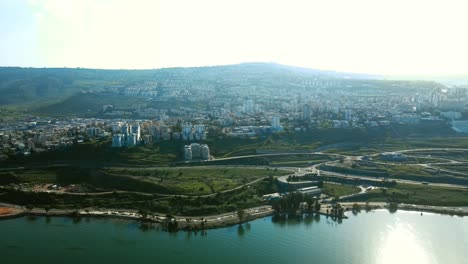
<point x="397" y="171"/>
<point x="187" y="180"/>
<point x="421" y="194"/>
<point x="337" y="190"/>
<point x="197" y="180"/>
<point x="458" y="167"/>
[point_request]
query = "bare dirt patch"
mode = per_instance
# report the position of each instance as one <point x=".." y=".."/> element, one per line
<point x="6" y="211"/>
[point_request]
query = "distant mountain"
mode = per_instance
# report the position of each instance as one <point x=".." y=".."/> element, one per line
<point x="30" y="85"/>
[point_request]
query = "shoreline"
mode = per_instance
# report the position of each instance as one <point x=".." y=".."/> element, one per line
<point x="196" y="223"/>
<point x="183" y="222"/>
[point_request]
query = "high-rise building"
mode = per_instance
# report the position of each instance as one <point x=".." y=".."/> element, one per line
<point x="135" y="129"/>
<point x="348" y="114"/>
<point x="132" y="140"/>
<point x="125" y="129"/>
<point x="196" y="151"/>
<point x="117" y="141"/>
<point x="188" y="152"/>
<point x="275" y="124"/>
<point x="205" y="152"/>
<point x="187" y="131"/>
<point x="306" y="112"/>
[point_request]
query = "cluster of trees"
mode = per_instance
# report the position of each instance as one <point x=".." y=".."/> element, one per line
<point x="296" y="203"/>
<point x="336" y="211"/>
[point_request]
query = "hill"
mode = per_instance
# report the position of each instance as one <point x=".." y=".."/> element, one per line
<point x="23" y="85"/>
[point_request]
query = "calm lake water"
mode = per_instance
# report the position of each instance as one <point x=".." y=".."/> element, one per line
<point x="375" y="237"/>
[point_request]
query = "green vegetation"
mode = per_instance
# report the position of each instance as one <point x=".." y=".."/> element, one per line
<point x="180" y="205"/>
<point x="100" y="153"/>
<point x="186" y="181"/>
<point x="458" y="167"/>
<point x="421" y="194"/>
<point x="196" y="180"/>
<point x="338" y="190"/>
<point x="398" y="171"/>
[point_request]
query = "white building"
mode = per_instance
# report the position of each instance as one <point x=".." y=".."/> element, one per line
<point x="135" y="129"/>
<point x="314" y="191"/>
<point x="187" y="131"/>
<point x="188" y="152"/>
<point x="196" y="151"/>
<point x="275" y="124"/>
<point x="205" y="152"/>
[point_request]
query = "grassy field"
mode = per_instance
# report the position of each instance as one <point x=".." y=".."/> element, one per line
<point x="459" y="167"/>
<point x="398" y="171"/>
<point x="337" y="190"/>
<point x="422" y="194"/>
<point x="174" y="180"/>
<point x="196" y="180"/>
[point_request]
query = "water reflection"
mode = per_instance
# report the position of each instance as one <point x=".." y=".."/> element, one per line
<point x="399" y="243"/>
<point x="307" y="219"/>
<point x="240" y="230"/>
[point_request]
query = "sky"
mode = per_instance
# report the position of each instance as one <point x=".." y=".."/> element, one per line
<point x="367" y="36"/>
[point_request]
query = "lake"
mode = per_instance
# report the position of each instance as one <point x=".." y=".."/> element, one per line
<point x="374" y="237"/>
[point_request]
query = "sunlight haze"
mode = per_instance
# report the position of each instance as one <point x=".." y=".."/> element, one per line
<point x="368" y="36"/>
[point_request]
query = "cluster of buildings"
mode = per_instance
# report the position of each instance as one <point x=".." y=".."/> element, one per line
<point x="193" y="132"/>
<point x="37" y="134"/>
<point x="182" y="107"/>
<point x="196" y="151"/>
<point x="127" y="135"/>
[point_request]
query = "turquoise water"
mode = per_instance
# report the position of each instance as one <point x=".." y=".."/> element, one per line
<point x="375" y="237"/>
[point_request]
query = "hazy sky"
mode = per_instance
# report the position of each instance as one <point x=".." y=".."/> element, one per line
<point x="373" y="36"/>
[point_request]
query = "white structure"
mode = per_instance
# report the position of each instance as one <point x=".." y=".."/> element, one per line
<point x="193" y="132"/>
<point x="275" y="124"/>
<point x="135" y="129"/>
<point x="205" y="152"/>
<point x="275" y="121"/>
<point x="196" y="151"/>
<point x="125" y="129"/>
<point x="200" y="133"/>
<point x="188" y="152"/>
<point x="187" y="131"/>
<point x="314" y="191"/>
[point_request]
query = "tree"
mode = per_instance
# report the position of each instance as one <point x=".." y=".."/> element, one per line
<point x="241" y="214"/>
<point x="47" y="208"/>
<point x="320" y="184"/>
<point x="317" y="206"/>
<point x="356" y="207"/>
<point x="143" y="213"/>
